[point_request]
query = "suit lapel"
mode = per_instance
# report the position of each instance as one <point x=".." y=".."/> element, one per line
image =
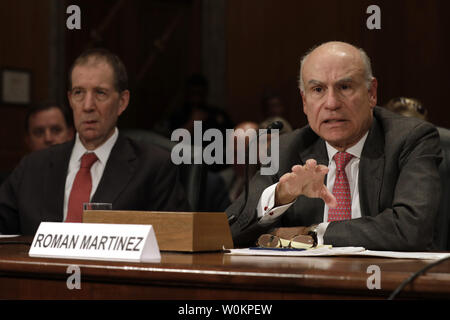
<point x="317" y="151"/>
<point x="119" y="170"/>
<point x="55" y="181"/>
<point x="371" y="169"/>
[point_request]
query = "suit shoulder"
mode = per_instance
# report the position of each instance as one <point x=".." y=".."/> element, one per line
<point x="298" y="139"/>
<point x="39" y="157"/>
<point x="148" y="150"/>
<point x="396" y="125"/>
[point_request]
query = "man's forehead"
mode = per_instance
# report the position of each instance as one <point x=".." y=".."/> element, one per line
<point x="338" y="66"/>
<point x="335" y="48"/>
<point x="52" y="111"/>
<point x="51" y="115"/>
<point x="98" y="71"/>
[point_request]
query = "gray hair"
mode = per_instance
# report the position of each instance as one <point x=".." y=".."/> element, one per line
<point x="365" y="58"/>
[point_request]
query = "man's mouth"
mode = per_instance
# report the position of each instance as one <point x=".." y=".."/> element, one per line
<point x="90" y="124"/>
<point x="332" y="121"/>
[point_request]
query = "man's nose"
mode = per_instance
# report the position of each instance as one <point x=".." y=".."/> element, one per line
<point x="333" y="99"/>
<point x="48" y="137"/>
<point x="89" y="102"/>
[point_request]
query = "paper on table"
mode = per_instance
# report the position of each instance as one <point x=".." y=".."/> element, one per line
<point x="405" y="255"/>
<point x="341" y="251"/>
<point x="323" y="251"/>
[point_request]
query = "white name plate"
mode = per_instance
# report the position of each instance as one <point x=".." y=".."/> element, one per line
<point x="96" y="241"/>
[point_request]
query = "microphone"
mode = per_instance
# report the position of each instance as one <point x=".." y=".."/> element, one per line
<point x="275" y="125"/>
<point x="232" y="219"/>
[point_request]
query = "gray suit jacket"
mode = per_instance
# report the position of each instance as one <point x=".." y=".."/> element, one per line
<point x="399" y="188"/>
<point x="136" y="177"/>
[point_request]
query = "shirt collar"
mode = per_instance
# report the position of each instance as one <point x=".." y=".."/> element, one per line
<point x="354" y="150"/>
<point x="101" y="152"/>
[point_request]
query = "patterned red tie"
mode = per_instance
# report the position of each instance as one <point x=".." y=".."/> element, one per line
<point x="81" y="188"/>
<point x="341" y="189"/>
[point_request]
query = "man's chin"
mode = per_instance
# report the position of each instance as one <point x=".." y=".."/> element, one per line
<point x="341" y="142"/>
<point x="89" y="134"/>
<point x="335" y="135"/>
<point x="90" y="137"/>
<point x="336" y="140"/>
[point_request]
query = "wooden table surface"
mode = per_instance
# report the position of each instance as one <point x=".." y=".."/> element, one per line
<point x="214" y="275"/>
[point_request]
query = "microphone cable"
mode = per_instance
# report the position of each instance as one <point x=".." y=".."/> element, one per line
<point x="233" y="218"/>
<point x="414" y="276"/>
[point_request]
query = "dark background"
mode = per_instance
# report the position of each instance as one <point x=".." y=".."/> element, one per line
<point x="242" y="46"/>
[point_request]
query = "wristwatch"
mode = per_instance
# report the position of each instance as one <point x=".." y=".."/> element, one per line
<point x="312" y="231"/>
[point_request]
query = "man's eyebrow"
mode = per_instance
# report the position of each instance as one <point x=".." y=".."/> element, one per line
<point x="101" y="88"/>
<point x="346" y="79"/>
<point x="314" y="82"/>
<point x="95" y="88"/>
<point x="343" y="80"/>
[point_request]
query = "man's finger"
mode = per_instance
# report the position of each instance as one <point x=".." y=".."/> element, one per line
<point x="285" y="177"/>
<point x="322" y="169"/>
<point x="328" y="197"/>
<point x="311" y="164"/>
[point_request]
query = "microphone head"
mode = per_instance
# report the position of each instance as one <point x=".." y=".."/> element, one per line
<point x="275" y="125"/>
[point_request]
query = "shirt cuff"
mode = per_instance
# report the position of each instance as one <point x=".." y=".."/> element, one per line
<point x="321" y="228"/>
<point x="265" y="209"/>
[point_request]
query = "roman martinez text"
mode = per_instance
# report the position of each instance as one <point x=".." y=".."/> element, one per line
<point x="88" y="242"/>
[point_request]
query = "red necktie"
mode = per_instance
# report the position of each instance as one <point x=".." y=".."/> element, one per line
<point x="81" y="188"/>
<point x="341" y="189"/>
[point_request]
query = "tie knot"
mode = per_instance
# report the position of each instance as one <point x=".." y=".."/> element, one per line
<point x="87" y="160"/>
<point x="342" y="159"/>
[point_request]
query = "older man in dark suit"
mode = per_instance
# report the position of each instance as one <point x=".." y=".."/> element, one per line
<point x="100" y="165"/>
<point x="357" y="175"/>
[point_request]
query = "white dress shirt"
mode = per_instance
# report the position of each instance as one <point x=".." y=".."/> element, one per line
<point x="97" y="168"/>
<point x="267" y="212"/>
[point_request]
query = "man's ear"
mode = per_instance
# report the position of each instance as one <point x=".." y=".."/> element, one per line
<point x="70" y="133"/>
<point x="124" y="100"/>
<point x="373" y="92"/>
<point x="69" y="98"/>
<point x="28" y="141"/>
<point x="302" y="93"/>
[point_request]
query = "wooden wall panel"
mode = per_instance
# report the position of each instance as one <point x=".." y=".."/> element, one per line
<point x="24" y="30"/>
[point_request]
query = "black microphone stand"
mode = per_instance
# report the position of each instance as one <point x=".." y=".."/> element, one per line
<point x="233" y="218"/>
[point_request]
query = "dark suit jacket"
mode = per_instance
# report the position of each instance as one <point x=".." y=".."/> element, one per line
<point x="399" y="188"/>
<point x="135" y="178"/>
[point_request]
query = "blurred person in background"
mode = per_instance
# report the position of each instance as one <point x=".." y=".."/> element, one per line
<point x="408" y="107"/>
<point x="47" y="124"/>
